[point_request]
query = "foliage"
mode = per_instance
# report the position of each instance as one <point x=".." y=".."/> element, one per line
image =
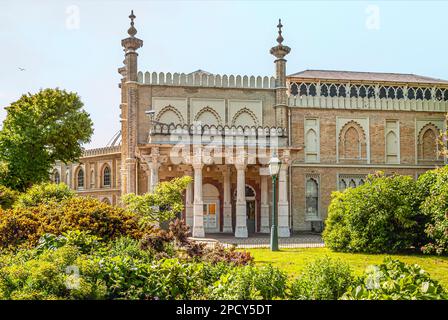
<point x="39" y="130"/>
<point x="167" y="243"/>
<point x="43" y="193"/>
<point x="24" y="226"/>
<point x="380" y="216"/>
<point x="83" y="240"/>
<point x="250" y="283"/>
<point x="322" y="279"/>
<point x="435" y="207"/>
<point x="7" y="197"/>
<point x="395" y="280"/>
<point x="117" y="270"/>
<point x="161" y="205"/>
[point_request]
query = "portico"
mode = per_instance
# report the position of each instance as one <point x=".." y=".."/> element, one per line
<point x="223" y="198"/>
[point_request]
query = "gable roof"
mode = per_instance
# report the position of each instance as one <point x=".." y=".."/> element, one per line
<point x="366" y="76"/>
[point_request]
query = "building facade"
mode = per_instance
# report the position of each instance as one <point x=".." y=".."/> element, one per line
<point x="330" y="129"/>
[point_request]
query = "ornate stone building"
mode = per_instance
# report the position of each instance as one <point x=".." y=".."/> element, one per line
<point x="329" y="128"/>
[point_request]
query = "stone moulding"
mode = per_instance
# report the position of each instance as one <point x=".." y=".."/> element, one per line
<point x="185" y="129"/>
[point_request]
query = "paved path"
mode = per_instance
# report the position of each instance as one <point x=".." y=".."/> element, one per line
<point x="297" y="240"/>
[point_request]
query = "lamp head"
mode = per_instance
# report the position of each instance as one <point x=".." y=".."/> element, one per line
<point x="274" y="165"/>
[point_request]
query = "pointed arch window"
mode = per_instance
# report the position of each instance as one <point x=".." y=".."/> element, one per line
<point x="106" y="177"/>
<point x="80" y="179"/>
<point x="312" y="147"/>
<point x="312" y="197"/>
<point x="392" y="141"/>
<point x="56" y="177"/>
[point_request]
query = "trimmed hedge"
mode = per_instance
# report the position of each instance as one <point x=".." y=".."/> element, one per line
<point x="380" y="216"/>
<point x="435" y="208"/>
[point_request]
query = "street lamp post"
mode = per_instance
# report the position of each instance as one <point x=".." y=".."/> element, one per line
<point x="274" y="168"/>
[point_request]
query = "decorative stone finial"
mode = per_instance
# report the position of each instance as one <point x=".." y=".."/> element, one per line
<point x="280" y="37"/>
<point x="280" y="51"/>
<point x="132" y="31"/>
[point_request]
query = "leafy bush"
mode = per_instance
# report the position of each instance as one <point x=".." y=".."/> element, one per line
<point x="322" y="279"/>
<point x="250" y="283"/>
<point x="25" y="226"/>
<point x="175" y="240"/>
<point x="7" y="197"/>
<point x="395" y="280"/>
<point x="160" y="206"/>
<point x="43" y="193"/>
<point x="83" y="240"/>
<point x="380" y="216"/>
<point x="435" y="207"/>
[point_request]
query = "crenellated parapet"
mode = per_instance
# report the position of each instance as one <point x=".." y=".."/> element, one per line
<point x="101" y="151"/>
<point x="205" y="80"/>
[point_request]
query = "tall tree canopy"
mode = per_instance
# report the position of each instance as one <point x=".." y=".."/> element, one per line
<point x="39" y="130"/>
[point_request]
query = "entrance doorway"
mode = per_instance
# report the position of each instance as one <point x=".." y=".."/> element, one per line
<point x="250" y="211"/>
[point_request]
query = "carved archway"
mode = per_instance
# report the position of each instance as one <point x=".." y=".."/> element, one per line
<point x="352" y="142"/>
<point x="168" y="109"/>
<point x="211" y="111"/>
<point x="245" y="111"/>
<point x="428" y="147"/>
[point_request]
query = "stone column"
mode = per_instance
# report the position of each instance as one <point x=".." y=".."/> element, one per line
<point x="198" y="213"/>
<point x="189" y="202"/>
<point x="241" y="216"/>
<point x="283" y="203"/>
<point x="264" y="207"/>
<point x="227" y="206"/>
<point x="153" y="175"/>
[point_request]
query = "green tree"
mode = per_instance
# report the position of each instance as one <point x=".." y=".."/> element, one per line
<point x="39" y="130"/>
<point x="162" y="205"/>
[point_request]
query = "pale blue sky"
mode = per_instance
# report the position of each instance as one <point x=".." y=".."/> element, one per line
<point x="232" y="37"/>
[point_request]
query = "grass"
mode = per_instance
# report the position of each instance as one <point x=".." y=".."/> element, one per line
<point x="292" y="261"/>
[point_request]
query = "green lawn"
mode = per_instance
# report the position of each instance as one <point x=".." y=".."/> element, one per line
<point x="293" y="260"/>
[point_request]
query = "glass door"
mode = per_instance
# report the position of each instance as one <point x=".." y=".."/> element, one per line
<point x="210" y="211"/>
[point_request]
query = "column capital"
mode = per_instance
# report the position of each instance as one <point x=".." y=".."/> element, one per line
<point x="240" y="166"/>
<point x="197" y="166"/>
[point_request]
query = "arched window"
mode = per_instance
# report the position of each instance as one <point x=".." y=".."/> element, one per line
<point x="312" y="90"/>
<point x="303" y="90"/>
<point x="352" y="142"/>
<point x="342" y="185"/>
<point x="80" y="178"/>
<point x="429" y="145"/>
<point x="371" y="92"/>
<point x="312" y="197"/>
<point x="391" y="147"/>
<point x="353" y="92"/>
<point x="352" y="184"/>
<point x="56" y="177"/>
<point x="293" y="89"/>
<point x="92" y="178"/>
<point x="106" y="200"/>
<point x="106" y="176"/>
<point x="333" y="91"/>
<point x="324" y="90"/>
<point x="391" y="93"/>
<point x="342" y="92"/>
